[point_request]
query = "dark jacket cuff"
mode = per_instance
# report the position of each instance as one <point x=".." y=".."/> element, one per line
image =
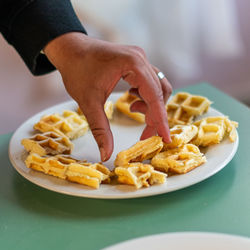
<point x="38" y="23"/>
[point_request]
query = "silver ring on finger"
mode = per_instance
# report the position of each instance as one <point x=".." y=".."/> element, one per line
<point x="160" y="75"/>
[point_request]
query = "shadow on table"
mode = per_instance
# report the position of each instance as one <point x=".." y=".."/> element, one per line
<point x="202" y="195"/>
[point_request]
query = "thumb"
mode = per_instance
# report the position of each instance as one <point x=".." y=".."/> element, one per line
<point x="99" y="125"/>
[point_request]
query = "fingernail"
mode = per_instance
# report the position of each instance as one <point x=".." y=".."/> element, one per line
<point x="103" y="154"/>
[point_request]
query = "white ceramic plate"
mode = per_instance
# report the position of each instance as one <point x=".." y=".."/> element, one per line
<point x="126" y="133"/>
<point x="187" y="241"/>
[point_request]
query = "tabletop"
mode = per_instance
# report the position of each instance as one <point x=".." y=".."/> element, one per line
<point x="32" y="217"/>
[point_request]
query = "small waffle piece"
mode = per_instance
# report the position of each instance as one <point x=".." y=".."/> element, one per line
<point x="231" y="129"/>
<point x="108" y="108"/>
<point x="48" y="143"/>
<point x="88" y="174"/>
<point x="68" y="124"/>
<point x="65" y="167"/>
<point x="123" y="104"/>
<point x="51" y="165"/>
<point x="179" y="160"/>
<point x="139" y="152"/>
<point x="139" y="175"/>
<point x="211" y="130"/>
<point x="180" y="135"/>
<point x="183" y="107"/>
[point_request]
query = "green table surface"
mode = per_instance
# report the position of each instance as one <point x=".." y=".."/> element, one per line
<point x="34" y="218"/>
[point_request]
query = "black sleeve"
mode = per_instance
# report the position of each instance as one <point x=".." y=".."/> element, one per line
<point x="29" y="25"/>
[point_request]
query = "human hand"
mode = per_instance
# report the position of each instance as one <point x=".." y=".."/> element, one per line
<point x="91" y="68"/>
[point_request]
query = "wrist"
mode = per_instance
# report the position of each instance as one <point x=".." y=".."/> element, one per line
<point x="60" y="50"/>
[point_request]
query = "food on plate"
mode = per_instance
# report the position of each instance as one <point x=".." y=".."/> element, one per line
<point x="211" y="130"/>
<point x="49" y="151"/>
<point x="123" y="105"/>
<point x="66" y="167"/>
<point x="184" y="107"/>
<point x="139" y="175"/>
<point x="140" y="151"/>
<point x="69" y="124"/>
<point x="108" y="108"/>
<point x="180" y="135"/>
<point x="178" y="160"/>
<point x="90" y="174"/>
<point x="48" y="143"/>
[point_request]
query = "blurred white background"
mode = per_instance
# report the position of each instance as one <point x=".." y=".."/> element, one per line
<point x="190" y="41"/>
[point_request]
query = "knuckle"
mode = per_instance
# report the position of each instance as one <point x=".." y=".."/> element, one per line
<point x="136" y="55"/>
<point x="139" y="50"/>
<point x="98" y="131"/>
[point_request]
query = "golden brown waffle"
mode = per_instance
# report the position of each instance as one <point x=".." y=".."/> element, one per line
<point x="51" y="165"/>
<point x="184" y="107"/>
<point x="139" y="175"/>
<point x="179" y="160"/>
<point x="49" y="143"/>
<point x="180" y="135"/>
<point x="71" y="169"/>
<point x="68" y="124"/>
<point x="211" y="130"/>
<point x="108" y="108"/>
<point x="139" y="152"/>
<point x="123" y="105"/>
<point x="89" y="174"/>
<point x="231" y="129"/>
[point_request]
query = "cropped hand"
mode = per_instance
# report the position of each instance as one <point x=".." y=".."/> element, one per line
<point x="91" y="68"/>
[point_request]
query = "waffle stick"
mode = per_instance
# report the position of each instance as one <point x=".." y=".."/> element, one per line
<point x="66" y="167"/>
<point x="142" y="150"/>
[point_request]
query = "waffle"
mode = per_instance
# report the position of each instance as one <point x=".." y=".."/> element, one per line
<point x="184" y="107"/>
<point x="179" y="160"/>
<point x="48" y="143"/>
<point x="68" y="124"/>
<point x="123" y="105"/>
<point x="65" y="167"/>
<point x="88" y="174"/>
<point x="231" y="129"/>
<point x="51" y="165"/>
<point x="108" y="108"/>
<point x="211" y="130"/>
<point x="139" y="152"/>
<point x="139" y="175"/>
<point x="180" y="135"/>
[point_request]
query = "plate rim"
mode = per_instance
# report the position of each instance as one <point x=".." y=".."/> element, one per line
<point x="127" y="195"/>
<point x="179" y="234"/>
